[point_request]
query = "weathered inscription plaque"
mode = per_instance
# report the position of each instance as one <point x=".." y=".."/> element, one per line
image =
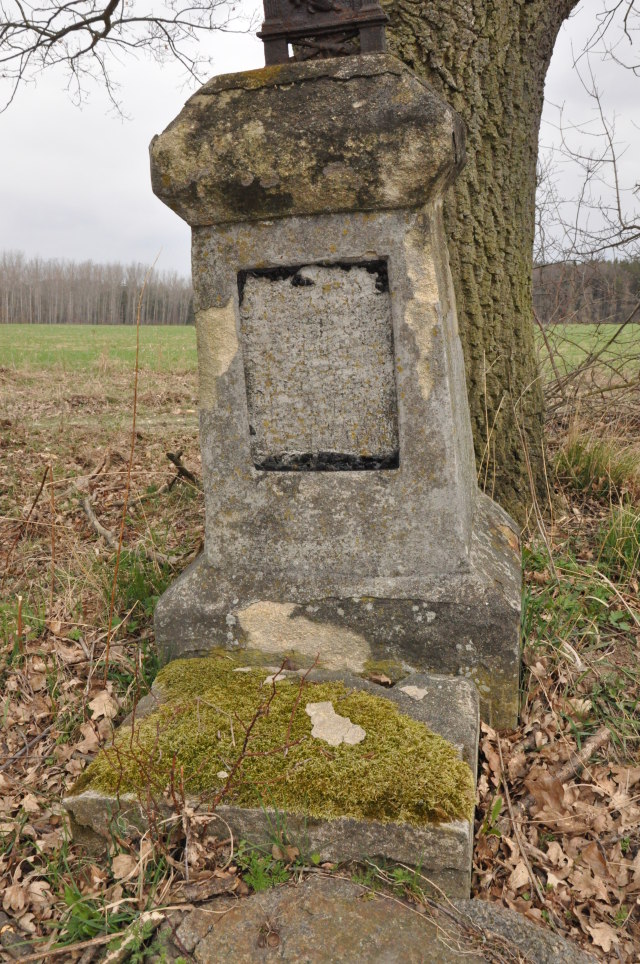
<point x="317" y="346"/>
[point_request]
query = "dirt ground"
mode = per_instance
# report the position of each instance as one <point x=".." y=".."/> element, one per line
<point x="558" y="816"/>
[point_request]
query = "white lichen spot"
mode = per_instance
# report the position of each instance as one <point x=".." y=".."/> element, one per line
<point x="222" y="775"/>
<point x="274" y="678"/>
<point x="430" y="616"/>
<point x="331" y="727"/>
<point x="230" y="619"/>
<point x="415" y="692"/>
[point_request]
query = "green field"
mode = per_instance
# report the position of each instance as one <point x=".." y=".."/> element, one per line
<point x="94" y="347"/>
<point x="571" y="344"/>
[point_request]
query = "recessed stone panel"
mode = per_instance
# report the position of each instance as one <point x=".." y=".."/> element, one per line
<point x="318" y="356"/>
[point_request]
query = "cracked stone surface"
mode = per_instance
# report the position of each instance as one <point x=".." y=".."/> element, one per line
<point x="331" y="727"/>
<point x="333" y="919"/>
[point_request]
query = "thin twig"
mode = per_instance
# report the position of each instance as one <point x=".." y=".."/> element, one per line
<point x="106" y="534"/>
<point x="48" y="951"/>
<point x="53" y="540"/>
<point x="158" y="557"/>
<point x="125" y="504"/>
<point x="25" y="749"/>
<point x="303" y="680"/>
<point x="24" y="526"/>
<point x="551" y="354"/>
<point x="534" y="497"/>
<point x="183" y="472"/>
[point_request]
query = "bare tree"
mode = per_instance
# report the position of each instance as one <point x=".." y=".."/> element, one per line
<point x="50" y="292"/>
<point x="489" y="60"/>
<point x="587" y="258"/>
<point x="88" y="37"/>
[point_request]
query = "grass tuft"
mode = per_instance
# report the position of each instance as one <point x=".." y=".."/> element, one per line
<point x="621" y="543"/>
<point x="599" y="467"/>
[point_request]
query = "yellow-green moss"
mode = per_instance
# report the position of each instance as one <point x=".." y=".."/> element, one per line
<point x="400" y="772"/>
<point x="392" y="668"/>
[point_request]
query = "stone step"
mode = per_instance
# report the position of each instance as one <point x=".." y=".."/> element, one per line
<point x="442" y="847"/>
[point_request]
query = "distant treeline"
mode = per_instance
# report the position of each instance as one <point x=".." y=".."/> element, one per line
<point x="597" y="292"/>
<point x="35" y="291"/>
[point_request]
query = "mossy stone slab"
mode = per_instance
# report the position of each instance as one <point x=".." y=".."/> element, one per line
<point x="422" y="828"/>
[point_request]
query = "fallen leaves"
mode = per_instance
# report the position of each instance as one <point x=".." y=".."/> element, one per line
<point x="581" y="837"/>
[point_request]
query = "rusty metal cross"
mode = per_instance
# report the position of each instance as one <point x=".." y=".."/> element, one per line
<point x="321" y="28"/>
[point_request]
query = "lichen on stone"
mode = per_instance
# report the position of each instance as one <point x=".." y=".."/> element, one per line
<point x="400" y="772"/>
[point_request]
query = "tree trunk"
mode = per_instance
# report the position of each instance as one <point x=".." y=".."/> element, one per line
<point x="488" y="59"/>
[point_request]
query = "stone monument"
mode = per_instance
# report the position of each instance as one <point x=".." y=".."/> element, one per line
<point x="347" y="544"/>
<point x="343" y="517"/>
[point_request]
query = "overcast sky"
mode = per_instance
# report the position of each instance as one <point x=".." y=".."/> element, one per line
<point x="75" y="180"/>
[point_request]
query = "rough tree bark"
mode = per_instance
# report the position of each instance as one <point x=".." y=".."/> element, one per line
<point x="488" y="59"/>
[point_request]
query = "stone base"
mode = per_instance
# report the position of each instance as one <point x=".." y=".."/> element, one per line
<point x="462" y="623"/>
<point x="443" y="851"/>
<point x="325" y="919"/>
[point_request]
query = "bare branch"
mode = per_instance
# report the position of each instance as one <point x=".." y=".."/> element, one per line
<point x="87" y="36"/>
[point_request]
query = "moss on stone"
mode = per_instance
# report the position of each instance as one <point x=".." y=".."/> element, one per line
<point x="400" y="772"/>
<point x="392" y="668"/>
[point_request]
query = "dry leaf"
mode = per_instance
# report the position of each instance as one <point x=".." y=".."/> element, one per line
<point x="541" y="578"/>
<point x="90" y="742"/>
<point x="15" y="898"/>
<point x="594" y="860"/>
<point x="586" y="885"/>
<point x="517" y="766"/>
<point x="519" y="876"/>
<point x="123" y="866"/>
<point x="603" y="935"/>
<point x="103" y="705"/>
<point x="40" y="896"/>
<point x="29" y="803"/>
<point x="547" y="792"/>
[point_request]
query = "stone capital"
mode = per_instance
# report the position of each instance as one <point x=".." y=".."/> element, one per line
<point x="349" y="134"/>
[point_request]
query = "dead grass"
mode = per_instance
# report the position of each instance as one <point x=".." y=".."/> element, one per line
<point x="563" y="851"/>
<point x="559" y="843"/>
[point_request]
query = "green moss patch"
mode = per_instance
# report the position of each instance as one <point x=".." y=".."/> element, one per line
<point x="400" y="772"/>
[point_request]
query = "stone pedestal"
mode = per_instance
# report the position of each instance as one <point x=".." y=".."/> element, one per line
<point x="106" y="800"/>
<point x="343" y="518"/>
